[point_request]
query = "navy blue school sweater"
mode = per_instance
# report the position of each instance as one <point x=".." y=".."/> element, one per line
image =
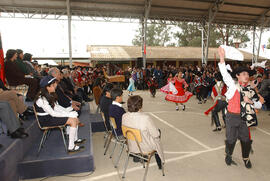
<point x="117" y="112"/>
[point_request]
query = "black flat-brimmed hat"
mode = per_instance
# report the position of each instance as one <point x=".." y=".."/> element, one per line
<point x="242" y="69"/>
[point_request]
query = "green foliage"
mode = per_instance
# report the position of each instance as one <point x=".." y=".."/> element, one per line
<point x="268" y="44"/>
<point x="190" y="35"/>
<point x="157" y="35"/>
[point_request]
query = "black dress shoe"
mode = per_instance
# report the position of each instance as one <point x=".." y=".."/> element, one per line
<point x="88" y="99"/>
<point x="18" y="134"/>
<point x="22" y="131"/>
<point x="79" y="141"/>
<point x="28" y="99"/>
<point x="28" y="112"/>
<point x="136" y="159"/>
<point x="247" y="163"/>
<point x="23" y="117"/>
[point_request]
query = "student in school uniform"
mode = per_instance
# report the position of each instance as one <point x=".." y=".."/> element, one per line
<point x="50" y="113"/>
<point x="116" y="110"/>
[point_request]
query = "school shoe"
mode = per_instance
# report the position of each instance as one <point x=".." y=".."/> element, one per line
<point x="76" y="149"/>
<point x="79" y="141"/>
<point x="177" y="108"/>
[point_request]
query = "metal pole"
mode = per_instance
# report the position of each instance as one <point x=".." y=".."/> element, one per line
<point x="202" y="45"/>
<point x="259" y="45"/>
<point x="144" y="41"/>
<point x="207" y="43"/>
<point x="142" y="38"/>
<point x="69" y="33"/>
<point x="253" y="44"/>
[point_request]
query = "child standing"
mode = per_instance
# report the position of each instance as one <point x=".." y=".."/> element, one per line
<point x="131" y="86"/>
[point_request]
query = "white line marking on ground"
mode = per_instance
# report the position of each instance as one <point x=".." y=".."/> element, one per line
<point x="153" y="164"/>
<point x="157" y="112"/>
<point x="180" y="131"/>
<point x="178" y="152"/>
<point x="263" y="131"/>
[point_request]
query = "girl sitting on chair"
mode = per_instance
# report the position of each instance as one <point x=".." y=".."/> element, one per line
<point x="50" y="113"/>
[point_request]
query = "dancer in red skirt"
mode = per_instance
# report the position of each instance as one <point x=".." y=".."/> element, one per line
<point x="182" y="96"/>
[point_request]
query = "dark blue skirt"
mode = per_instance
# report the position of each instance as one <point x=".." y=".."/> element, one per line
<point x="48" y="120"/>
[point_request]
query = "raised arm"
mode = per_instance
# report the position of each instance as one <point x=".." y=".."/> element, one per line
<point x="222" y="68"/>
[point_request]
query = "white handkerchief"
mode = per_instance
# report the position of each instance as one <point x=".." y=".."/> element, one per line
<point x="232" y="53"/>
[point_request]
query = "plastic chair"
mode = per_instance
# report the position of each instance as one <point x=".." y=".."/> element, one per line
<point x="132" y="134"/>
<point x="118" y="140"/>
<point x="45" y="133"/>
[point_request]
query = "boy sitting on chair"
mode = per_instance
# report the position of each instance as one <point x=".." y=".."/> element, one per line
<point x="116" y="110"/>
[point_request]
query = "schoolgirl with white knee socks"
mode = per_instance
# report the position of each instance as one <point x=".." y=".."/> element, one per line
<point x="50" y="113"/>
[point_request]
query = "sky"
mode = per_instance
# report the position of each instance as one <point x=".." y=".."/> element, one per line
<point x="50" y="37"/>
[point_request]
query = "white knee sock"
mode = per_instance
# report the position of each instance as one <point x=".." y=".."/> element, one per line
<point x="76" y="135"/>
<point x="72" y="134"/>
<point x="68" y="128"/>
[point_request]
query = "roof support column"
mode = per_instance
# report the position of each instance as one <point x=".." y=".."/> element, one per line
<point x="144" y="29"/>
<point x="256" y="43"/>
<point x="206" y="28"/>
<point x="69" y="33"/>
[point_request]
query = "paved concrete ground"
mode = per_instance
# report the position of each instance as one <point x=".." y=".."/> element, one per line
<point x="192" y="150"/>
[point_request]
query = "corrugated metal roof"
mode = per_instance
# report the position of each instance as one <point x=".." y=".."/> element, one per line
<point x="111" y="52"/>
<point x="248" y="12"/>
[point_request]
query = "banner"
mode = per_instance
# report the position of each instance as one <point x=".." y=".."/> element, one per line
<point x="2" y="68"/>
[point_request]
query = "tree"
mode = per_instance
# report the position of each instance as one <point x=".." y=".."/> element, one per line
<point x="190" y="35"/>
<point x="268" y="44"/>
<point x="156" y="35"/>
<point x="229" y="33"/>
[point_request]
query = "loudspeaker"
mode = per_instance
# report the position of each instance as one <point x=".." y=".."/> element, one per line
<point x="139" y="62"/>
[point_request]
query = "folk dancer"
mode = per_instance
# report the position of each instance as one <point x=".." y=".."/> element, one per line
<point x="242" y="100"/>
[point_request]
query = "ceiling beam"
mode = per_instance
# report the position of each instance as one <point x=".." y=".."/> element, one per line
<point x="213" y="10"/>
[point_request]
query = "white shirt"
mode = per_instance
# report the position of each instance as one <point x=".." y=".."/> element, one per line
<point x="117" y="103"/>
<point x="57" y="111"/>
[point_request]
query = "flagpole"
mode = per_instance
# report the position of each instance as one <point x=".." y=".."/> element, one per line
<point x="2" y="68"/>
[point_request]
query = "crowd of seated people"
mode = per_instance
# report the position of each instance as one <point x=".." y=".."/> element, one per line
<point x="72" y="88"/>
